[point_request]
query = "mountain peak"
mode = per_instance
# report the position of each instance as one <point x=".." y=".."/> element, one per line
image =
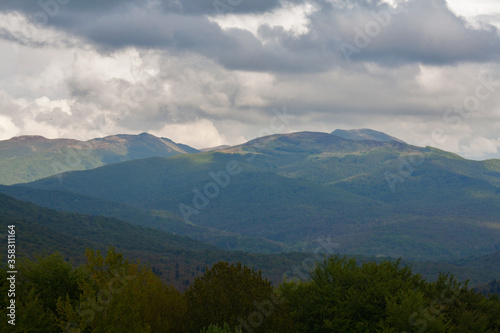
<point x="26" y="138"/>
<point x="364" y="134"/>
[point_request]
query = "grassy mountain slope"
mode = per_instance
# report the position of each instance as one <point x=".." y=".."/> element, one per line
<point x="364" y="134"/>
<point x="28" y="158"/>
<point x="296" y="187"/>
<point x="322" y="157"/>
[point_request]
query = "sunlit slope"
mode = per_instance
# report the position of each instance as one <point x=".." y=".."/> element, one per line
<point x="372" y="197"/>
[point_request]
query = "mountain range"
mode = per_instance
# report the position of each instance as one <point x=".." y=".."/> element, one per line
<point x="370" y="193"/>
<point x="28" y="158"/>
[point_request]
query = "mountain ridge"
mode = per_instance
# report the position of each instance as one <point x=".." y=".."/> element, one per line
<point x="28" y="158"/>
<point x="299" y="186"/>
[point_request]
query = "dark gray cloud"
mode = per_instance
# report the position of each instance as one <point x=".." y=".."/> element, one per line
<point x="186" y="7"/>
<point x="220" y="7"/>
<point x="340" y="32"/>
<point x="424" y="31"/>
<point x="427" y="31"/>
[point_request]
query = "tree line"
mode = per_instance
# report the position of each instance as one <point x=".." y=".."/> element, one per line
<point x="110" y="294"/>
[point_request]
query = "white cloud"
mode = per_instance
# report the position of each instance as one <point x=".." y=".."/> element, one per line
<point x="7" y="128"/>
<point x="44" y="105"/>
<point x="15" y="26"/>
<point x="477" y="11"/>
<point x="292" y="18"/>
<point x="199" y="134"/>
<point x="479" y="148"/>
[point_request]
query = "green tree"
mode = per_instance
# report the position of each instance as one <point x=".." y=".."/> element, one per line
<point x="103" y="304"/>
<point x="236" y="295"/>
<point x="217" y="329"/>
<point x="343" y="296"/>
<point x="33" y="316"/>
<point x="410" y="311"/>
<point x="462" y="307"/>
<point x="161" y="307"/>
<point x="49" y="278"/>
<point x="123" y="297"/>
<point x="40" y="283"/>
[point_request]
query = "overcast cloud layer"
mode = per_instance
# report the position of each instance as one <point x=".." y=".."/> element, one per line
<point x="207" y="73"/>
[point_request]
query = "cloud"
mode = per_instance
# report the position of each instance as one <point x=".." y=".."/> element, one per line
<point x="423" y="31"/>
<point x="292" y="18"/>
<point x="195" y="134"/>
<point x="7" y="128"/>
<point x="479" y="148"/>
<point x="186" y="7"/>
<point x="477" y="12"/>
<point x="257" y="37"/>
<point x="184" y="71"/>
<point x="19" y="29"/>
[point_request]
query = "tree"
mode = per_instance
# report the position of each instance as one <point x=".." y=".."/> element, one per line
<point x="103" y="306"/>
<point x="236" y="295"/>
<point x="217" y="329"/>
<point x="40" y="284"/>
<point x="462" y="307"/>
<point x="343" y="296"/>
<point x="123" y="297"/>
<point x="49" y="278"/>
<point x="160" y="306"/>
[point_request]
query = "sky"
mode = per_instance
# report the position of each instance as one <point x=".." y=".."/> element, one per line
<point x="213" y="72"/>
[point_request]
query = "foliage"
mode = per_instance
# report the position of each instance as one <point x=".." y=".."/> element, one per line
<point x="49" y="278"/>
<point x="110" y="294"/>
<point x="343" y="296"/>
<point x="40" y="284"/>
<point x="217" y="329"/>
<point x="122" y="297"/>
<point x="234" y="294"/>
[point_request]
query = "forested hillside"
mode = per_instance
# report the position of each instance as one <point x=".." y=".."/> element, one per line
<point x="111" y="294"/>
<point x="176" y="259"/>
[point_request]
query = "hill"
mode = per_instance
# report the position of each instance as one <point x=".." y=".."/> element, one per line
<point x="373" y="198"/>
<point x="476" y="269"/>
<point x="28" y="158"/>
<point x="155" y="219"/>
<point x="177" y="259"/>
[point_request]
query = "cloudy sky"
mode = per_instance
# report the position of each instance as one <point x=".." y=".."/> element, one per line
<point x="211" y="72"/>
